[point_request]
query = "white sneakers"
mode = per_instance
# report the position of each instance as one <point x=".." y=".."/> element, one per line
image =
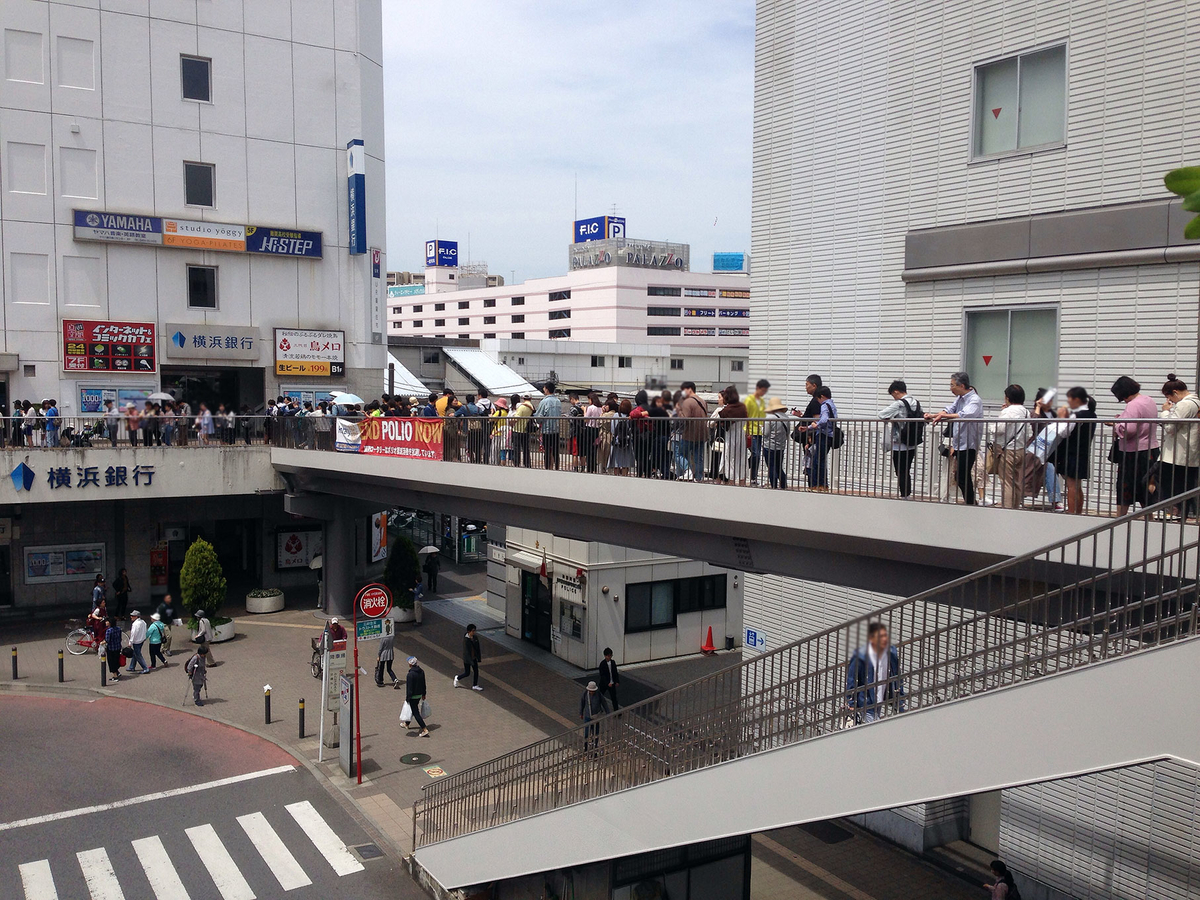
<point x="476" y="687"/>
<point x="456" y="681"/>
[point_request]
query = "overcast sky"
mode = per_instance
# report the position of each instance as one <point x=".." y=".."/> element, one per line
<point x="494" y="106"/>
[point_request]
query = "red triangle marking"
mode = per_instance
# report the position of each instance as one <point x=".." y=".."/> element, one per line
<point x="996" y="111"/>
<point x="987" y="360"/>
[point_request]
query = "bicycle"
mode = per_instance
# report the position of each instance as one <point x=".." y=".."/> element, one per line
<point x="81" y="641"/>
<point x="316" y="657"/>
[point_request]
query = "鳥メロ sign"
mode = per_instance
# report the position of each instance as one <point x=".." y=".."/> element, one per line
<point x="374" y="601"/>
<point x="108" y="346"/>
<point x="394" y="436"/>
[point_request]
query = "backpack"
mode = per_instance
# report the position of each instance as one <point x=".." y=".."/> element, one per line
<point x="621" y="435"/>
<point x="911" y="433"/>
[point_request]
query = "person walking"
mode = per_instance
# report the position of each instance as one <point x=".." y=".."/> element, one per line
<point x="592" y="705"/>
<point x="387" y="654"/>
<point x="414" y="693"/>
<point x="204" y="634"/>
<point x="549" y="414"/>
<point x="610" y="678"/>
<point x="121" y="588"/>
<point x="167" y="615"/>
<point x="1136" y="444"/>
<point x="431" y="567"/>
<point x="112" y="647"/>
<point x="472" y="654"/>
<point x="155" y="634"/>
<point x="962" y="414"/>
<point x="137" y="637"/>
<point x="196" y="669"/>
<point x="822" y="431"/>
<point x="1003" y="888"/>
<point x="1180" y="462"/>
<point x="903" y="437"/>
<point x="694" y="413"/>
<point x="775" y="432"/>
<point x="873" y="680"/>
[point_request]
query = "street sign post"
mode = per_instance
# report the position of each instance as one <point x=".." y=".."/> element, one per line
<point x="374" y="629"/>
<point x="374" y="602"/>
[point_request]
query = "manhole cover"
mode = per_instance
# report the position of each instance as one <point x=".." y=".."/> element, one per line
<point x="415" y="759"/>
<point x="368" y="851"/>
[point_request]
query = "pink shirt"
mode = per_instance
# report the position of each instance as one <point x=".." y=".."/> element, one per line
<point x="1142" y="435"/>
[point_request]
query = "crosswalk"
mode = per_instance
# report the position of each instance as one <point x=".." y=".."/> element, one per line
<point x="103" y="881"/>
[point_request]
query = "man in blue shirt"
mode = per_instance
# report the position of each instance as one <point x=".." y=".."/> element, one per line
<point x="548" y="413"/>
<point x="51" y="414"/>
<point x="873" y="681"/>
<point x="965" y="433"/>
<point x="822" y="440"/>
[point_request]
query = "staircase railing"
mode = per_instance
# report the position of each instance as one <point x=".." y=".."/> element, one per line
<point x="1125" y="585"/>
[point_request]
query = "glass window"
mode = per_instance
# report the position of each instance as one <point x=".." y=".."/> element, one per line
<point x="464" y="304"/>
<point x="663" y="291"/>
<point x="195" y="75"/>
<point x="202" y="287"/>
<point x="737" y="365"/>
<point x="556" y="333"/>
<point x="637" y="607"/>
<point x="199" y="184"/>
<point x="488" y="335"/>
<point x="1011" y="346"/>
<point x="489" y="303"/>
<point x="624" y="362"/>
<point x="464" y="321"/>
<point x="560" y="314"/>
<point x="1020" y="102"/>
<point x="417" y="323"/>
<point x="663" y="310"/>
<point x="518" y="336"/>
<point x="662" y="331"/>
<point x="597" y="362"/>
<point x="518" y="318"/>
<point x="677" y="364"/>
<point x="560" y="295"/>
<point x="439" y="323"/>
<point x="662" y="604"/>
<point x="431" y="357"/>
<point x="518" y="301"/>
<point x="489" y="320"/>
<point x="439" y="307"/>
<point x="418" y="308"/>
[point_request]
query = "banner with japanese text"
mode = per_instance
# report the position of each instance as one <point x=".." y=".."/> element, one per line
<point x="391" y="436"/>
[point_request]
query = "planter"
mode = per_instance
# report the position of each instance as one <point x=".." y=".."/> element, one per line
<point x="268" y="604"/>
<point x="403" y="615"/>
<point x="224" y="632"/>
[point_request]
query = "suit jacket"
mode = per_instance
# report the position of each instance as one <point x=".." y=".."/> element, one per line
<point x="472" y="653"/>
<point x="608" y="673"/>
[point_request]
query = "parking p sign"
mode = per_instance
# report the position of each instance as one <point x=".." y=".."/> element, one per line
<point x="755" y="639"/>
<point x="374" y="601"/>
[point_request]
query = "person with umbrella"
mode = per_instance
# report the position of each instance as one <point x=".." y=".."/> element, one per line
<point x="431" y="567"/>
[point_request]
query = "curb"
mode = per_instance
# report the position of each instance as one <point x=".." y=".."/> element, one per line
<point x="54" y="689"/>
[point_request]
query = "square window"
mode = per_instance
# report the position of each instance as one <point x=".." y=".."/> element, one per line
<point x="1020" y="346"/>
<point x="202" y="287"/>
<point x="518" y="318"/>
<point x="431" y="357"/>
<point x="518" y="301"/>
<point x="489" y="320"/>
<point x="597" y="362"/>
<point x="439" y="307"/>
<point x="1021" y="102"/>
<point x="195" y="75"/>
<point x="29" y="370"/>
<point x="199" y="184"/>
<point x="624" y="362"/>
<point x="737" y="365"/>
<point x="677" y="365"/>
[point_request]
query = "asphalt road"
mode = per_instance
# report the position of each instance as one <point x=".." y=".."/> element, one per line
<point x="118" y="800"/>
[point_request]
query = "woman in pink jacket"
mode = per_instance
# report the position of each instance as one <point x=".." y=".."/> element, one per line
<point x="1136" y="444"/>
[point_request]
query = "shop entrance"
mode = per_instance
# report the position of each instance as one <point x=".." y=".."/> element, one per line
<point x="212" y="385"/>
<point x="536" y="611"/>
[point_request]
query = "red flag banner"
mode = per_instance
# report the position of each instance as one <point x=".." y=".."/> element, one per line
<point x="391" y="436"/>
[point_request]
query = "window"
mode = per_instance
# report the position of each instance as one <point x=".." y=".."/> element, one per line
<point x="199" y="184"/>
<point x="624" y="362"/>
<point x="737" y="365"/>
<point x="464" y="304"/>
<point x="439" y="307"/>
<point x="663" y="292"/>
<point x="556" y="333"/>
<point x="518" y="301"/>
<point x="518" y="318"/>
<point x="431" y="357"/>
<point x="202" y="287"/>
<point x="699" y="292"/>
<point x="663" y="310"/>
<point x="451" y="276"/>
<point x="464" y="337"/>
<point x="489" y="320"/>
<point x="662" y="331"/>
<point x="518" y="336"/>
<point x="676" y="365"/>
<point x="597" y="362"/>
<point x="559" y="295"/>
<point x="195" y="76"/>
<point x="464" y="321"/>
<point x="560" y="314"/>
<point x="1011" y="346"/>
<point x="439" y="323"/>
<point x="735" y="295"/>
<point x="488" y="335"/>
<point x="418" y="308"/>
<point x="521" y="359"/>
<point x="1021" y="102"/>
<point x="396" y="310"/>
<point x="417" y="323"/>
<point x="489" y="303"/>
<point x="651" y="605"/>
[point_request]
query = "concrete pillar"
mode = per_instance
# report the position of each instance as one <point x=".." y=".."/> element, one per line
<point x="338" y="561"/>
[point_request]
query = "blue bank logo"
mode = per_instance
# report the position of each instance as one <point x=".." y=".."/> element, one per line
<point x="22" y="477"/>
<point x="178" y="339"/>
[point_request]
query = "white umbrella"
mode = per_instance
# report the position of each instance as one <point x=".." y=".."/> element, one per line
<point x="160" y="396"/>
<point x="342" y="398"/>
<point x="317" y="562"/>
<point x="429" y="549"/>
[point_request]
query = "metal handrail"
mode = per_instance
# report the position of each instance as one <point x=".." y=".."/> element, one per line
<point x="1127" y="584"/>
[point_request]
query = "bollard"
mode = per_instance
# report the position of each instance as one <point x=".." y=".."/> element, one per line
<point x="103" y="672"/>
<point x="301" y="718"/>
<point x="14" y="663"/>
<point x="60" y="667"/>
<point x="267" y="704"/>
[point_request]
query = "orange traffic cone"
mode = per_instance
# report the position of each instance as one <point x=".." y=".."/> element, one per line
<point x="707" y="646"/>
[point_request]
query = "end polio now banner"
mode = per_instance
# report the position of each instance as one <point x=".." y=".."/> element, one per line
<point x="391" y="436"/>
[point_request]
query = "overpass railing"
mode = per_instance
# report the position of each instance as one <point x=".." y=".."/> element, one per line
<point x="1125" y="586"/>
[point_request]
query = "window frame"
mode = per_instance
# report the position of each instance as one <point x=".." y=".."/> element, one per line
<point x="655" y="290"/>
<point x="719" y="587"/>
<point x="664" y="312"/>
<point x="518" y="318"/>
<point x="737" y="365"/>
<point x="555" y="296"/>
<point x="418" y="323"/>
<point x="516" y="301"/>
<point x="439" y="323"/>
<point x="597" y="362"/>
<point x="489" y="320"/>
<point x="489" y="302"/>
<point x="972" y="156"/>
<point x="439" y="307"/>
<point x="557" y="314"/>
<point x="216" y="282"/>
<point x="517" y="336"/>
<point x="212" y="171"/>
<point x="431" y="357"/>
<point x="676" y="364"/>
<point x="624" y="362"/>
<point x="559" y="334"/>
<point x="464" y="320"/>
<point x="1010" y="309"/>
<point x="464" y="304"/>
<point x="195" y="58"/>
<point x="664" y="331"/>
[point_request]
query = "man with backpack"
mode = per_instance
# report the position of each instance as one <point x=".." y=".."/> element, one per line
<point x="904" y="436"/>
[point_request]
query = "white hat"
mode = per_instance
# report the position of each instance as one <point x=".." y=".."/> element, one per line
<point x="155" y="617"/>
<point x="412" y="660"/>
<point x="333" y="620"/>
<point x="592" y="686"/>
<point x="134" y="613"/>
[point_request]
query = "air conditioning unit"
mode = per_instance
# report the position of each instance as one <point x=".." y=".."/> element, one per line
<point x="654" y="383"/>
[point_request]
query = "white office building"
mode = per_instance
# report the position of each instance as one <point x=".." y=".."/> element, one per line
<point x="175" y="211"/>
<point x="979" y="186"/>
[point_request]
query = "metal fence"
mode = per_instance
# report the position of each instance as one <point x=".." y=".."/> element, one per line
<point x="1124" y="586"/>
<point x="67" y="432"/>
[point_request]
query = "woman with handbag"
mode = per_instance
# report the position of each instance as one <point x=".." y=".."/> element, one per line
<point x="1135" y="444"/>
<point x="1180" y="463"/>
<point x="1072" y="456"/>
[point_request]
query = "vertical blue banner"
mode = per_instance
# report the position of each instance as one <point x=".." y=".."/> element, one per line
<point x="356" y="185"/>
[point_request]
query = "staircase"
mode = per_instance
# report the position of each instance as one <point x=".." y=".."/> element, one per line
<point x="1110" y="594"/>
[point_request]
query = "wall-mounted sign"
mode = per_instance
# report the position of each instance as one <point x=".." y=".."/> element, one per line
<point x="701" y="312"/>
<point x="755" y="638"/>
<point x="735" y="314"/>
<point x="443" y="254"/>
<point x="378" y="320"/>
<point x="296" y="549"/>
<point x="391" y="436"/>
<point x="738" y="294"/>
<point x="731" y="262"/>
<point x="157" y="231"/>
<point x="733" y="332"/>
<point x="300" y="351"/>
<point x="63" y="562"/>
<point x="569" y="589"/>
<point x="211" y="341"/>
<point x="699" y="332"/>
<point x="108" y="346"/>
<point x="93" y="397"/>
<point x="599" y="228"/>
<point x="624" y="252"/>
<point x="356" y="191"/>
<point x="379" y="536"/>
<point x="405" y="290"/>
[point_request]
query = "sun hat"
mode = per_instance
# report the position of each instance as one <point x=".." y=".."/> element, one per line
<point x="592" y="686"/>
<point x="199" y="614"/>
<point x="135" y="613"/>
<point x="775" y="404"/>
<point x="155" y="617"/>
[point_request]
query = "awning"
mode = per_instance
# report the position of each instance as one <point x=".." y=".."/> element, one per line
<point x="530" y="562"/>
<point x="406" y="382"/>
<point x="486" y="372"/>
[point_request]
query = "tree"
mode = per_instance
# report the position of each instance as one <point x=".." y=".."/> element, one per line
<point x="1186" y="183"/>
<point x="201" y="580"/>
<point x="402" y="571"/>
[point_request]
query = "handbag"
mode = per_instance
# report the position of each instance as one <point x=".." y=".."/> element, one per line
<point x="426" y="710"/>
<point x="991" y="463"/>
<point x="1114" y="451"/>
<point x="406" y="715"/>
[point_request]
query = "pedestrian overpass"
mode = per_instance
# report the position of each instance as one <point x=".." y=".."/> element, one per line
<point x="1042" y="667"/>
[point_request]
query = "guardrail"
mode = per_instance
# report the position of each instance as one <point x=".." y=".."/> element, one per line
<point x="1124" y="586"/>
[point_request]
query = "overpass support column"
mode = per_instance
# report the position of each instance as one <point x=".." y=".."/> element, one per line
<point x="337" y="562"/>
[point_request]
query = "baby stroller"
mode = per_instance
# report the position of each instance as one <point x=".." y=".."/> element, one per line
<point x="69" y="437"/>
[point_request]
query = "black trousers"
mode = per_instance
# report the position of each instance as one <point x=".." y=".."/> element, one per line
<point x="380" y="665"/>
<point x="902" y="463"/>
<point x="612" y="696"/>
<point x="470" y="667"/>
<point x="964" y="465"/>
<point x="415" y="706"/>
<point x="431" y="580"/>
<point x="520" y="443"/>
<point x="550" y="451"/>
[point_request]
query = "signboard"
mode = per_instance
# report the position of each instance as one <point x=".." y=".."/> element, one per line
<point x="568" y="588"/>
<point x="374" y="601"/>
<point x="93" y="398"/>
<point x="108" y="346"/>
<point x="703" y="312"/>
<point x="296" y="549"/>
<point x="735" y="313"/>
<point x="283" y="242"/>
<point x="443" y="254"/>
<point x="63" y="562"/>
<point x="405" y="290"/>
<point x="379" y="536"/>
<point x="117" y="228"/>
<point x="204" y="235"/>
<point x="699" y="332"/>
<point x="301" y="351"/>
<point x="636" y="254"/>
<point x="731" y="262"/>
<point x="159" y="567"/>
<point x="212" y="341"/>
<point x="391" y="436"/>
<point x="755" y="638"/>
<point x="356" y="187"/>
<point x="346" y="723"/>
<point x="335" y="665"/>
<point x="377" y="308"/>
<point x="599" y="228"/>
<point x="374" y="629"/>
<point x="733" y="332"/>
<point x="157" y="231"/>
<point x="434" y="771"/>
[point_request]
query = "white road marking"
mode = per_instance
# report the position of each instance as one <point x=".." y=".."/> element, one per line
<point x="324" y="837"/>
<point x="38" y="881"/>
<point x="145" y="798"/>
<point x="160" y="872"/>
<point x="99" y="875"/>
<point x="273" y="851"/>
<point x="221" y="867"/>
